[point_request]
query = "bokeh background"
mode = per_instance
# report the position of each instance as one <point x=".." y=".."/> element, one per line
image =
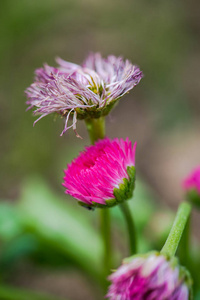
<point x="161" y="113"/>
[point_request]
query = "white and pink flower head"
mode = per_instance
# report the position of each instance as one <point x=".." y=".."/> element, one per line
<point x="150" y="277"/>
<point x="103" y="175"/>
<point x="191" y="185"/>
<point x="84" y="91"/>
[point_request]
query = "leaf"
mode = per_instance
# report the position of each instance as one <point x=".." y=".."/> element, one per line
<point x="10" y="293"/>
<point x="10" y="225"/>
<point x="13" y="250"/>
<point x="66" y="228"/>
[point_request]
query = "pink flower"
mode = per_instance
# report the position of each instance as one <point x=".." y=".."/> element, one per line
<point x="150" y="277"/>
<point x="192" y="181"/>
<point x="191" y="184"/>
<point x="86" y="91"/>
<point x="102" y="175"/>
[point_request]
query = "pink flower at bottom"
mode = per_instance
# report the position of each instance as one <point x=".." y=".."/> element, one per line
<point x="150" y="277"/>
<point x="103" y="174"/>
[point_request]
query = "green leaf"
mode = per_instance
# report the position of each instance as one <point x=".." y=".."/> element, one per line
<point x="15" y="249"/>
<point x="64" y="227"/>
<point x="10" y="225"/>
<point x="10" y="293"/>
<point x="197" y="296"/>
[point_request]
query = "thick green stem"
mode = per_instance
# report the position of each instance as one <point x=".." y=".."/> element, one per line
<point x="96" y="128"/>
<point x="130" y="227"/>
<point x="177" y="229"/>
<point x="105" y="231"/>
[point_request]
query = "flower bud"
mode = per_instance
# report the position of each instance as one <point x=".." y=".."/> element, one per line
<point x="103" y="175"/>
<point x="151" y="277"/>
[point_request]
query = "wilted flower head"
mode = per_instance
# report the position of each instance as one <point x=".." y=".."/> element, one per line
<point x="102" y="175"/>
<point x="150" y="277"/>
<point x="86" y="91"/>
<point x="191" y="185"/>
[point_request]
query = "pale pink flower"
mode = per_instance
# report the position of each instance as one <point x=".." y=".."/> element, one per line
<point x="150" y="277"/>
<point x="86" y="91"/>
<point x="102" y="175"/>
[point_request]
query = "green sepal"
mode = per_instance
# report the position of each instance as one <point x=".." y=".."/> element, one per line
<point x="94" y="112"/>
<point x="125" y="190"/>
<point x="184" y="274"/>
<point x="109" y="203"/>
<point x="87" y="206"/>
<point x="123" y="193"/>
<point x="143" y="255"/>
<point x="194" y="197"/>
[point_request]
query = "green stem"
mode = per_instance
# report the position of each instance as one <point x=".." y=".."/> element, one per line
<point x="177" y="229"/>
<point x="96" y="128"/>
<point x="106" y="232"/>
<point x="130" y="227"/>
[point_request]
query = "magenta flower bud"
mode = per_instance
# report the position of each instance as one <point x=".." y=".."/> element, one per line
<point x="86" y="91"/>
<point x="103" y="175"/>
<point x="191" y="185"/>
<point x="150" y="277"/>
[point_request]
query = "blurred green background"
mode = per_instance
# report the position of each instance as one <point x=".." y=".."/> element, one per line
<point x="161" y="113"/>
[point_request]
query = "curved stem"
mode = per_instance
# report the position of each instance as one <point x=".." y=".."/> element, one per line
<point x="130" y="227"/>
<point x="177" y="229"/>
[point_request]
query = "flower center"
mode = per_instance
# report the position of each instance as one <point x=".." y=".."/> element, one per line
<point x="90" y="162"/>
<point x="96" y="89"/>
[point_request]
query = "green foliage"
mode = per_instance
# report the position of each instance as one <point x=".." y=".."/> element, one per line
<point x="60" y="225"/>
<point x="10" y="293"/>
<point x="10" y="225"/>
<point x="43" y="220"/>
<point x="53" y="230"/>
